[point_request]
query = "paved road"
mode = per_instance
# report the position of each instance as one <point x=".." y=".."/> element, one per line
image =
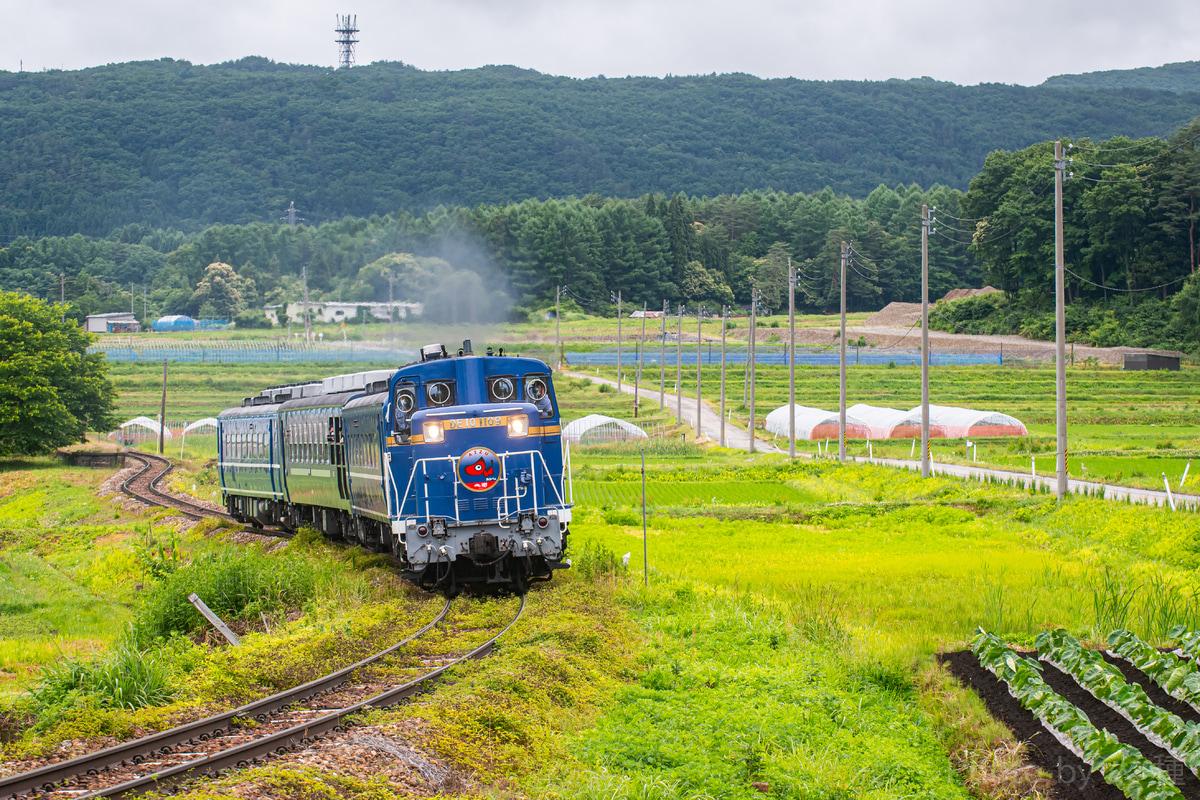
<point x="710" y="419"/>
<point x="735" y="437"/>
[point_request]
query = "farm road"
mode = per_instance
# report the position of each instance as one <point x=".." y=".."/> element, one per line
<point x="735" y="437"/>
<point x="710" y="420"/>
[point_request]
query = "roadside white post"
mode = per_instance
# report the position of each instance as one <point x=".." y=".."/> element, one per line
<point x="1170" y="497"/>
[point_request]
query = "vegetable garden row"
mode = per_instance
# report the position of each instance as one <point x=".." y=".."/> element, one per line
<point x="1156" y="755"/>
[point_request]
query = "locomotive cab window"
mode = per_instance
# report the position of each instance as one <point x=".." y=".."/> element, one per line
<point x="405" y="405"/>
<point x="439" y="393"/>
<point x="537" y="391"/>
<point x="502" y="388"/>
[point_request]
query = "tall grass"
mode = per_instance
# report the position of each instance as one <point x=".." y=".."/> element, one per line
<point x="124" y="677"/>
<point x="236" y="583"/>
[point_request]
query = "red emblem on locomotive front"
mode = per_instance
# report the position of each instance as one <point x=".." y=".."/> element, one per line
<point x="479" y="469"/>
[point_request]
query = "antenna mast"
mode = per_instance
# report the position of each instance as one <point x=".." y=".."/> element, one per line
<point x="346" y="29"/>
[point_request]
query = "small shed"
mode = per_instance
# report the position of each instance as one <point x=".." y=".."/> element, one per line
<point x="1143" y="361"/>
<point x="815" y="423"/>
<point x="119" y="322"/>
<point x="597" y="429"/>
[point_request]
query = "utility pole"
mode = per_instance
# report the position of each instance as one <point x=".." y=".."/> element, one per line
<point x="679" y="368"/>
<point x="662" y="361"/>
<point x="391" y="278"/>
<point x="131" y="298"/>
<point x="143" y="301"/>
<point x="842" y="375"/>
<point x="1060" y="336"/>
<point x="162" y="411"/>
<point x="617" y="300"/>
<point x="724" y="325"/>
<point x="750" y="356"/>
<point x="791" y="359"/>
<point x="699" y="333"/>
<point x="557" y="314"/>
<point x="637" y="378"/>
<point x="925" y="225"/>
<point x="307" y="321"/>
<point x="62" y="294"/>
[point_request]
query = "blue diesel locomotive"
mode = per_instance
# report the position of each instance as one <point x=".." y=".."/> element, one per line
<point x="454" y="464"/>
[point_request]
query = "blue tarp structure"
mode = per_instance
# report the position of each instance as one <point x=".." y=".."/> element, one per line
<point x="175" y="322"/>
<point x="182" y="322"/>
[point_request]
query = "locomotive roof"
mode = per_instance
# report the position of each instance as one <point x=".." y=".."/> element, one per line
<point x="518" y="363"/>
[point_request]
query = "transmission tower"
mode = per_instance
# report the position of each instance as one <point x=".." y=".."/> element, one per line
<point x="346" y="29"/>
<point x="291" y="217"/>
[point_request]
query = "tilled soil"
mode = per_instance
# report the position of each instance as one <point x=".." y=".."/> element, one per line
<point x="1072" y="777"/>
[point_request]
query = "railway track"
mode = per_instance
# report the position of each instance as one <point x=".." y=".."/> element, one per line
<point x="143" y="486"/>
<point x="238" y="738"/>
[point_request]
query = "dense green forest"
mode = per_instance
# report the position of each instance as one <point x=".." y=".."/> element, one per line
<point x="488" y="258"/>
<point x="174" y="145"/>
<point x="1182" y="76"/>
<point x="1131" y="242"/>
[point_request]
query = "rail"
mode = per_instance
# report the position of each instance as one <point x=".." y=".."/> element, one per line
<point x="50" y="777"/>
<point x="297" y="735"/>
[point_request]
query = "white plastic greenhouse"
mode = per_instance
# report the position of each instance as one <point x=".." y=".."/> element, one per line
<point x="876" y="422"/>
<point x="814" y="423"/>
<point x="597" y="428"/>
<point x="881" y="422"/>
<point x="951" y="422"/>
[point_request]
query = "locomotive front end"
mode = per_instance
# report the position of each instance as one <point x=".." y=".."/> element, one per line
<point x="477" y="473"/>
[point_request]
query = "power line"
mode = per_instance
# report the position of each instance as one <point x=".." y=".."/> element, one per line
<point x="1127" y="291"/>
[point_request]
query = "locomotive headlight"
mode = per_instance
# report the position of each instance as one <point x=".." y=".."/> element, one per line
<point x="518" y="426"/>
<point x="434" y="432"/>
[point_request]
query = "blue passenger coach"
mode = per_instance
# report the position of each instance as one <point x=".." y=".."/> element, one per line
<point x="452" y="463"/>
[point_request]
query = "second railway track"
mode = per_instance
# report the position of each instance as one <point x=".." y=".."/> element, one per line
<point x="218" y="742"/>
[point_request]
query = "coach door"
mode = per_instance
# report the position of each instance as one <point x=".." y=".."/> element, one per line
<point x="337" y="455"/>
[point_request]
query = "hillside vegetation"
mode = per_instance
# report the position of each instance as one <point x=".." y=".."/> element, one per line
<point x="1181" y="76"/>
<point x="176" y="145"/>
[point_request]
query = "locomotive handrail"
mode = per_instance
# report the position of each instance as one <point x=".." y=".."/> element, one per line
<point x="424" y="462"/>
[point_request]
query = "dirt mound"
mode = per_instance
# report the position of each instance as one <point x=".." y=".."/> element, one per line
<point x="894" y="315"/>
<point x="959" y="294"/>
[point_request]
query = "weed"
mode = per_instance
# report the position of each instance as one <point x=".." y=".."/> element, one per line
<point x="123" y="678"/>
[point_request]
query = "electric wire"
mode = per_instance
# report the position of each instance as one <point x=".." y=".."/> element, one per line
<point x="1127" y="291"/>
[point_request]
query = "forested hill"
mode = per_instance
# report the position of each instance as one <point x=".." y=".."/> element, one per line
<point x="1182" y="76"/>
<point x="175" y="145"/>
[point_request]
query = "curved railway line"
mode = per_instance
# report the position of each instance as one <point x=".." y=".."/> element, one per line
<point x="222" y="742"/>
<point x="143" y="486"/>
<point x="269" y="726"/>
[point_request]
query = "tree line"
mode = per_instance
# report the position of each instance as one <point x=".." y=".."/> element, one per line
<point x="1131" y="241"/>
<point x="487" y="258"/>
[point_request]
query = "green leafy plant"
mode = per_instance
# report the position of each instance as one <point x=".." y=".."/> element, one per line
<point x="1121" y="765"/>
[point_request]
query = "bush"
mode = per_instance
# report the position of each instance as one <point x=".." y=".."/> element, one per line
<point x="251" y="318"/>
<point x="595" y="562"/>
<point x="234" y="584"/>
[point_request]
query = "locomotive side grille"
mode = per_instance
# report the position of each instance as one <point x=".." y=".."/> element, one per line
<point x="482" y="503"/>
<point x="464" y="505"/>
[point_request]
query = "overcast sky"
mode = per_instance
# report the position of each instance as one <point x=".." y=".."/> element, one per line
<point x="968" y="42"/>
